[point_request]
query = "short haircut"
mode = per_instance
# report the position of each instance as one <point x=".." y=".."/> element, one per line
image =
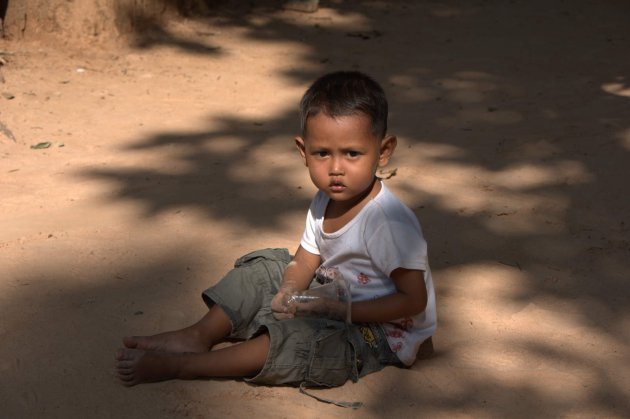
<point x="345" y="93"/>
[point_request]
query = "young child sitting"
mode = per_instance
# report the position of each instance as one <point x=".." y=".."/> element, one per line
<point x="356" y="229"/>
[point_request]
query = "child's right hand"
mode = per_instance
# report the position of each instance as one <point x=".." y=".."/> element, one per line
<point x="280" y="306"/>
<point x="305" y="305"/>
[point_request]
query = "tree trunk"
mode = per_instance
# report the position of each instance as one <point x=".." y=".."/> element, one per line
<point x="82" y="19"/>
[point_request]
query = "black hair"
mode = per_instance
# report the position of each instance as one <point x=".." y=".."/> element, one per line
<point x="344" y="93"/>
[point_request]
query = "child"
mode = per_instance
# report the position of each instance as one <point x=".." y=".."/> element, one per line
<point x="355" y="228"/>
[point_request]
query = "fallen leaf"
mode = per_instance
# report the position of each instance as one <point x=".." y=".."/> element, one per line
<point x="386" y="174"/>
<point x="44" y="144"/>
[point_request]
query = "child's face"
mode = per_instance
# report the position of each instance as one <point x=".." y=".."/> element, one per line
<point x="342" y="155"/>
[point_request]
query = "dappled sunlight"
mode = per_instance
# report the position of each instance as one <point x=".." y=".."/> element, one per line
<point x="505" y="199"/>
<point x="466" y="89"/>
<point x="81" y="302"/>
<point x="512" y="156"/>
<point x="624" y="138"/>
<point x="535" y="176"/>
<point x="409" y="89"/>
<point x="620" y="87"/>
<point x="493" y="282"/>
<point x="169" y="171"/>
<point x="480" y="96"/>
<point x="520" y="199"/>
<point x="202" y="161"/>
<point x="481" y="114"/>
<point x="446" y="11"/>
<point x="435" y="151"/>
<point x="542" y="150"/>
<point x="528" y="344"/>
<point x="337" y="18"/>
<point x="225" y="146"/>
<point x="277" y="163"/>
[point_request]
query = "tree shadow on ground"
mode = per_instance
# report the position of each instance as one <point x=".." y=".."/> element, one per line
<point x="75" y="320"/>
<point x="490" y="136"/>
<point x="148" y="26"/>
<point x="209" y="186"/>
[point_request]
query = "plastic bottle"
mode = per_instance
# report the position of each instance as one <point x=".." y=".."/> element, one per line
<point x="331" y="301"/>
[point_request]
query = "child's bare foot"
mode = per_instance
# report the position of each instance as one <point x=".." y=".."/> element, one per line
<point x="180" y="341"/>
<point x="135" y="366"/>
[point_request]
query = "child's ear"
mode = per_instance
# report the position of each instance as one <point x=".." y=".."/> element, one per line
<point x="299" y="143"/>
<point x="388" y="145"/>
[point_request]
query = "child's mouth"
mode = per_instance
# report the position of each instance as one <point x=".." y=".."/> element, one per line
<point x="337" y="187"/>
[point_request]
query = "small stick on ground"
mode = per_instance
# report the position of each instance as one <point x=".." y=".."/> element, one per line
<point x="6" y="131"/>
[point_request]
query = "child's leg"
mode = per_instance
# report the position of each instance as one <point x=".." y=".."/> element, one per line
<point x="238" y="307"/>
<point x="244" y="359"/>
<point x="200" y="337"/>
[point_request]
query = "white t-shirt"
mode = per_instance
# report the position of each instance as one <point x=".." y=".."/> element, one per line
<point x="384" y="236"/>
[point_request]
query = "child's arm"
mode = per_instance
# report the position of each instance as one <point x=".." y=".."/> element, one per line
<point x="410" y="299"/>
<point x="297" y="277"/>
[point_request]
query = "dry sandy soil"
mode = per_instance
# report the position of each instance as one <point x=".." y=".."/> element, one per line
<point x="172" y="156"/>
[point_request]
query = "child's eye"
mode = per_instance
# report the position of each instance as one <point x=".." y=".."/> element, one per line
<point x="353" y="154"/>
<point x="321" y="153"/>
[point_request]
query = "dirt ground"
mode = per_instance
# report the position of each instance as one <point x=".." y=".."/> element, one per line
<point x="171" y="156"/>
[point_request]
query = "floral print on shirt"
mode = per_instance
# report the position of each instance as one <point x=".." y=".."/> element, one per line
<point x="363" y="278"/>
<point x="325" y="275"/>
<point x="396" y="332"/>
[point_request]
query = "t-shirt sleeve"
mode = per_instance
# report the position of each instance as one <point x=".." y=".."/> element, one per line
<point x="394" y="240"/>
<point x="309" y="237"/>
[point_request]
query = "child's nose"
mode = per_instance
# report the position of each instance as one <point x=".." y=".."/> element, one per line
<point x="336" y="166"/>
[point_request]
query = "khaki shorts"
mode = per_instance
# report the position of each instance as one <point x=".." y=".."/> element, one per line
<point x="310" y="351"/>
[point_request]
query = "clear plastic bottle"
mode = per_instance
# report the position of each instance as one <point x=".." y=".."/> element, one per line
<point x="331" y="300"/>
